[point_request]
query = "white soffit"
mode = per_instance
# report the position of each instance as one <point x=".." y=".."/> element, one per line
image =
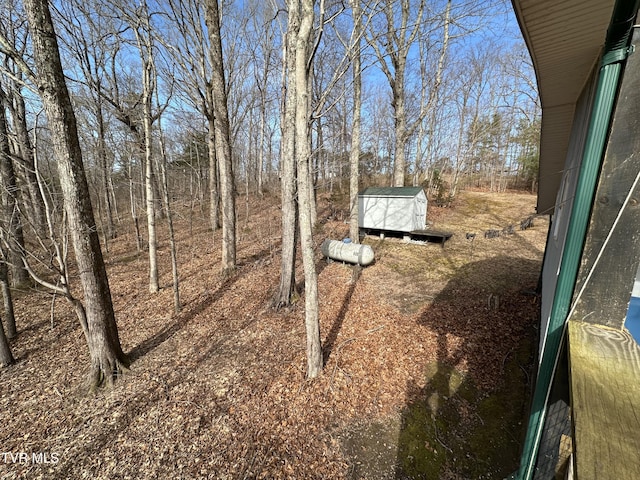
<point x="565" y="39"/>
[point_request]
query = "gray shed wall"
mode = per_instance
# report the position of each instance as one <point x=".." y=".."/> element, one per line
<point x="400" y="214"/>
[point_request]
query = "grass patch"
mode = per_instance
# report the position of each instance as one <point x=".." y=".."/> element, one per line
<point x="452" y="428"/>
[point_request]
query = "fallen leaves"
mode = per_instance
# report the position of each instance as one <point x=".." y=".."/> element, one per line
<point x="219" y="391"/>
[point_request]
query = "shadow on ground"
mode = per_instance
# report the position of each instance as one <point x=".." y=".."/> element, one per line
<point x="467" y="418"/>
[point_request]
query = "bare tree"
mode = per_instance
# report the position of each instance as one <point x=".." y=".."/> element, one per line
<point x="142" y="30"/>
<point x="431" y="78"/>
<point x="15" y="34"/>
<point x="11" y="218"/>
<point x="303" y="59"/>
<point x="190" y="49"/>
<point x="85" y="40"/>
<point x="97" y="315"/>
<point x="354" y="159"/>
<point x="392" y="49"/>
<point x="167" y="206"/>
<point x="472" y="83"/>
<point x="289" y="205"/>
<point x="290" y="146"/>
<point x="263" y="55"/>
<point x="7" y="298"/>
<point x="222" y="139"/>
<point x="24" y="154"/>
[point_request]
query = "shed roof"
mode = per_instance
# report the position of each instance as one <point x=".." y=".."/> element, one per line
<point x="565" y="38"/>
<point x="390" y="192"/>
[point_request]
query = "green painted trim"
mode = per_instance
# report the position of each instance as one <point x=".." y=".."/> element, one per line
<point x="602" y="109"/>
<point x="615" y="56"/>
<point x="587" y="180"/>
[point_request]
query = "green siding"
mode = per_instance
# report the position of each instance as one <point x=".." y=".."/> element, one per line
<point x="390" y="192"/>
<point x="609" y="79"/>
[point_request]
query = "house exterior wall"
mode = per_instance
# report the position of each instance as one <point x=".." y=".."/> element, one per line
<point x="564" y="202"/>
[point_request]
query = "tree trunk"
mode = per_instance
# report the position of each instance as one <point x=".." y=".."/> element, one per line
<point x="26" y="152"/>
<point x="214" y="192"/>
<point x="305" y="190"/>
<point x="400" y="122"/>
<point x="107" y="357"/>
<point x="289" y="206"/>
<point x="354" y="155"/>
<point x="114" y="200"/>
<point x="145" y="48"/>
<point x="11" y="221"/>
<point x="6" y="357"/>
<point x="396" y="44"/>
<point x="9" y="317"/>
<point x="132" y="204"/>
<point x="172" y="237"/>
<point x="223" y="139"/>
<point x="261" y="134"/>
<point x="149" y="181"/>
<point x="105" y="172"/>
<point x="457" y="169"/>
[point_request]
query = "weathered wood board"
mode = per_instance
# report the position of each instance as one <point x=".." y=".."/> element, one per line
<point x="433" y="235"/>
<point x="605" y="396"/>
<point x="612" y="245"/>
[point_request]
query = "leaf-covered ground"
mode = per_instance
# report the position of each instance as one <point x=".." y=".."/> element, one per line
<point x="428" y="357"/>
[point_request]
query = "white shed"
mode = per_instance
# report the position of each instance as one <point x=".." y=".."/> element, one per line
<point x="397" y="209"/>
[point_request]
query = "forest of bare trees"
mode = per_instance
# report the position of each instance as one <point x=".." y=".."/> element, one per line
<point x="113" y="114"/>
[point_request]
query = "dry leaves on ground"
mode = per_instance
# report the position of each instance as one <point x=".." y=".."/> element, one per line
<point x="219" y="390"/>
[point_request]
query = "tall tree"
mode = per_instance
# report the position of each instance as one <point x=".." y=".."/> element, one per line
<point x="167" y="206"/>
<point x="264" y="52"/>
<point x="144" y="39"/>
<point x="85" y="41"/>
<point x="354" y="154"/>
<point x="7" y="298"/>
<point x="24" y="151"/>
<point x="392" y="49"/>
<point x="15" y="34"/>
<point x="11" y="219"/>
<point x="289" y="205"/>
<point x="190" y="49"/>
<point x="222" y="138"/>
<point x="303" y="59"/>
<point x="99" y="324"/>
<point x="473" y="84"/>
<point x="431" y="82"/>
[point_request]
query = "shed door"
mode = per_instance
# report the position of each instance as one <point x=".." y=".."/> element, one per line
<point x="420" y="213"/>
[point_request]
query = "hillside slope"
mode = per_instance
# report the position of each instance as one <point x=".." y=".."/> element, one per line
<point x="427" y="360"/>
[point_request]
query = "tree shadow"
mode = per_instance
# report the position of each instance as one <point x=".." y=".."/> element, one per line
<point x="32" y="327"/>
<point x="161" y="387"/>
<point x="256" y="259"/>
<point x="60" y="332"/>
<point x="320" y="263"/>
<point x="181" y="320"/>
<point x="467" y="420"/>
<point x="332" y="336"/>
<point x="184" y="318"/>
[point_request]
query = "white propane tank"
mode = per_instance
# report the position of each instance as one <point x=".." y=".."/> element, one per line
<point x="347" y="252"/>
